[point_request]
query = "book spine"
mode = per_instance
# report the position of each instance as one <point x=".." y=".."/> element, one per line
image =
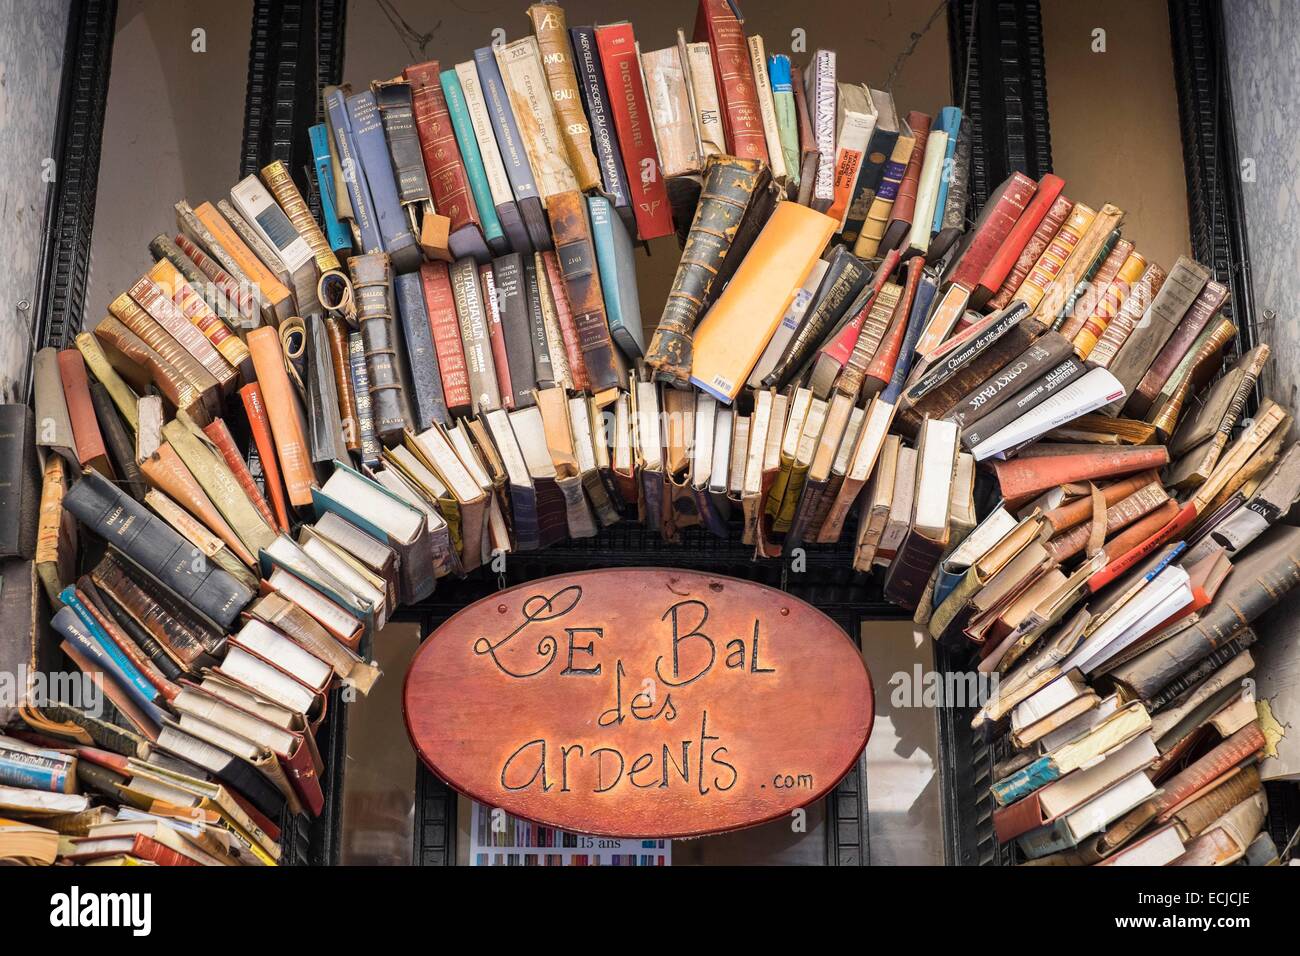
<point x="168" y="315"/>
<point x="195" y="308"/>
<point x="516" y="331"/>
<point x="259" y="423"/>
<point x="426" y="381"/>
<point x="1050" y="263"/>
<point x="870" y="176"/>
<point x="595" y="97"/>
<point x="881" y="369"/>
<point x="1119" y="515"/>
<point x="734" y="78"/>
<point x="530" y="98"/>
<point x="632" y="122"/>
<point x="950" y="123"/>
<point x="1202" y="361"/>
<point x="396" y="103"/>
<point x="489" y="155"/>
<point x="992" y="251"/>
<point x="846" y="277"/>
<point x="1130" y="312"/>
<point x="564" y="316"/>
<point x="282" y="410"/>
<point x="543" y="368"/>
<point x="92" y="638"/>
<point x="954" y="207"/>
<point x="475" y="339"/>
<point x="371" y="289"/>
<point x="448" y="175"/>
<point x="121" y="445"/>
<point x="787" y="116"/>
<point x="766" y="109"/>
<point x="224" y="442"/>
<point x="1204" y="308"/>
<point x="372" y="155"/>
<point x="440" y="302"/>
<point x="339" y="238"/>
<point x="821" y="90"/>
<point x="462" y="125"/>
<point x="285" y="192"/>
<point x="181" y="363"/>
<point x="729" y="185"/>
<point x="242" y="299"/>
<point x="882" y="205"/>
<point x="31" y="771"/>
<point x="552" y="34"/>
<point x="1046" y="353"/>
<point x="364" y="219"/>
<point x="1110" y="301"/>
<point x="577" y="261"/>
<point x="497" y="336"/>
<point x="337" y="332"/>
<point x="159" y="613"/>
<point x="1021" y="477"/>
<point x="926" y="293"/>
<point x="370" y="444"/>
<point x="1042" y="236"/>
<point x="854" y="137"/>
<point x="904" y="208"/>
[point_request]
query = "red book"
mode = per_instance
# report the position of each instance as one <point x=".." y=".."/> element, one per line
<point x="900" y="216"/>
<point x="564" y="315"/>
<point x="881" y="369"/>
<point x="1183" y="520"/>
<point x="220" y="436"/>
<point x="259" y="423"/>
<point x="1021" y="479"/>
<point x="840" y="347"/>
<point x="1017" y="236"/>
<point x="716" y="23"/>
<point x="443" y="164"/>
<point x="440" y="302"/>
<point x="85" y="426"/>
<point x="636" y="141"/>
<point x="497" y="336"/>
<point x="999" y="216"/>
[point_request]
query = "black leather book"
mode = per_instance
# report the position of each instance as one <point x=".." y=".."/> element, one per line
<point x="20" y="482"/>
<point x="371" y="285"/>
<point x="397" y="113"/>
<point x="421" y="357"/>
<point x="120" y="445"/>
<point x="543" y="370"/>
<point x="147" y="540"/>
<point x="516" y="326"/>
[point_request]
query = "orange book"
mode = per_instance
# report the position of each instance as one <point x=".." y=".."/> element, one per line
<point x="165" y="471"/>
<point x="220" y="436"/>
<point x="277" y="295"/>
<point x="738" y="327"/>
<point x="260" y="425"/>
<point x="285" y="415"/>
<point x="1180" y="522"/>
<point x="85" y="427"/>
<point x="1024" y="478"/>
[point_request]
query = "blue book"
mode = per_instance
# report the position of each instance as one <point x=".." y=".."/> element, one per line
<point x="950" y="123"/>
<point x="511" y="145"/>
<point x="426" y="377"/>
<point x="40" y="770"/>
<point x="617" y="268"/>
<point x="78" y="628"/>
<point x="926" y="291"/>
<point x="595" y="98"/>
<point x="463" y="128"/>
<point x="376" y="163"/>
<point x="338" y="235"/>
<point x="363" y="217"/>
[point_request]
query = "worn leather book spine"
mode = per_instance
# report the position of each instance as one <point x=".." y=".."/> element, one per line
<point x="856" y="342"/>
<point x="120" y="444"/>
<point x="577" y="260"/>
<point x="716" y="23"/>
<point x="282" y="187"/>
<point x="1192" y="374"/>
<point x="809" y="154"/>
<point x="1080" y="265"/>
<point x="224" y="442"/>
<point x="396" y="102"/>
<point x="440" y="302"/>
<point x="552" y="34"/>
<point x="540" y="289"/>
<point x="1107" y="303"/>
<point x="1071" y="515"/>
<point x="159" y="307"/>
<point x="1042" y="236"/>
<point x="729" y="185"/>
<point x="1046" y="353"/>
<point x="1130" y="312"/>
<point x="275" y="294"/>
<point x="195" y="309"/>
<point x="388" y="401"/>
<point x="259" y="423"/>
<point x="285" y="416"/>
<point x="959" y="351"/>
<point x="845" y="278"/>
<point x="443" y="163"/>
<point x="1054" y="257"/>
<point x="595" y="98"/>
<point x="1086" y="305"/>
<point x="147" y="540"/>
<point x="998" y="235"/>
<point x="475" y="337"/>
<point x="426" y="381"/>
<point x="881" y="369"/>
<point x="900" y="215"/>
<point x="632" y="122"/>
<point x="1205" y="307"/>
<point x="1018" y="237"/>
<point x="140" y="365"/>
<point x="882" y="206"/>
<point x="1021" y="478"/>
<point x="370" y="445"/>
<point x="86" y="438"/>
<point x="564" y="316"/>
<point x="214" y="294"/>
<point x="337" y="331"/>
<point x="516" y="330"/>
<point x="205" y="384"/>
<point x="243" y="301"/>
<point x="1119" y="515"/>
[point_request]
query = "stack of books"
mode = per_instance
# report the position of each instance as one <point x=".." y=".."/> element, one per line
<point x="290" y="425"/>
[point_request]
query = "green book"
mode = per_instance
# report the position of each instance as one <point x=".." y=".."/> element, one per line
<point x="478" y="182"/>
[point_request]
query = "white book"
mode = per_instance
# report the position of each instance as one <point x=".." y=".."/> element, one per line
<point x="698" y="60"/>
<point x="989" y="532"/>
<point x="530" y="432"/>
<point x="580" y="426"/>
<point x="269" y="221"/>
<point x="331" y="560"/>
<point x="900" y="509"/>
<point x="622" y="444"/>
<point x="1160" y="848"/>
<point x="855" y="122"/>
<point x="794" y="314"/>
<point x="1070" y="791"/>
<point x="759" y="424"/>
<point x="739" y="455"/>
<point x="927" y="194"/>
<point x="649" y="440"/>
<point x="476" y="104"/>
<point x="1109" y="805"/>
<point x="849" y="441"/>
<point x="1050" y="698"/>
<point x="1174" y="602"/>
<point x="267" y="642"/>
<point x="365" y="499"/>
<point x="722" y="436"/>
<point x="1079" y="726"/>
<point x="1086" y="394"/>
<point x="1165" y="594"/>
<point x="243" y="667"/>
<point x="706" y="420"/>
<point x="766" y="108"/>
<point x="937" y="458"/>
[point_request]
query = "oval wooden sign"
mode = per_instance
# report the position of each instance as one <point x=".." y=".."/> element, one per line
<point x="640" y="702"/>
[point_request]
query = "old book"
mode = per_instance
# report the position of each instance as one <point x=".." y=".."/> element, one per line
<point x="1270" y="423"/>
<point x="880" y="213"/>
<point x="1042" y="236"/>
<point x="729" y="187"/>
<point x="633" y="124"/>
<point x="234" y="308"/>
<point x="520" y="62"/>
<point x="855" y="121"/>
<point x="706" y="112"/>
<point x="1023" y="478"/>
<point x="1017" y="246"/>
<point x="1198" y="366"/>
<point x="757" y="299"/>
<point x="389" y="405"/>
<point x="950" y="122"/>
<point x="670" y="112"/>
<point x="220" y="239"/>
<point x="595" y="98"/>
<point x="391" y="230"/>
<point x="580" y="271"/>
<point x="1064" y="393"/>
<point x="1084" y="301"/>
<point x="1045" y="354"/>
<point x="767" y="110"/>
<point x="904" y="207"/>
<point x="56" y="532"/>
<point x="1222" y="405"/>
<point x="552" y="34"/>
<point x="1087" y="255"/>
<point x="880" y="371"/>
<point x="552" y="509"/>
<point x="1108" y="304"/>
<point x="1120" y="514"/>
<point x="156" y="303"/>
<point x="512" y="149"/>
<point x="616" y="260"/>
<point x="570" y="340"/>
<point x="1267" y="505"/>
<point x="929" y="531"/>
<point x="809" y="153"/>
<point x="285" y="415"/>
<point x="853" y="344"/>
<point x="820" y="93"/>
<point x="489" y="183"/>
<point x="443" y="163"/>
<point x="175" y="356"/>
<point x="717" y="24"/>
<point x="927" y="195"/>
<point x="87" y="438"/>
<point x="871" y="169"/>
<point x="195" y="309"/>
<point x="792" y="319"/>
<point x="516" y="329"/>
<point x="440" y="306"/>
<point x="871" y="438"/>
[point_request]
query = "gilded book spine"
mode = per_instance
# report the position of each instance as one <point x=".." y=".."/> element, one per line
<point x="729" y="184"/>
<point x="1050" y="263"/>
<point x="371" y="288"/>
<point x="1037" y="245"/>
<point x="1109" y="304"/>
<point x="1087" y="303"/>
<point x="1203" y="359"/>
<point x="1126" y="319"/>
<point x="338" y="339"/>
<point x="282" y="187"/>
<point x="557" y="62"/>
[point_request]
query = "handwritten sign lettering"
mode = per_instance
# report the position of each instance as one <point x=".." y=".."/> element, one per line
<point x="640" y="702"/>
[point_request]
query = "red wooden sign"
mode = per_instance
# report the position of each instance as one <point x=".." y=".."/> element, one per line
<point x="640" y="702"/>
